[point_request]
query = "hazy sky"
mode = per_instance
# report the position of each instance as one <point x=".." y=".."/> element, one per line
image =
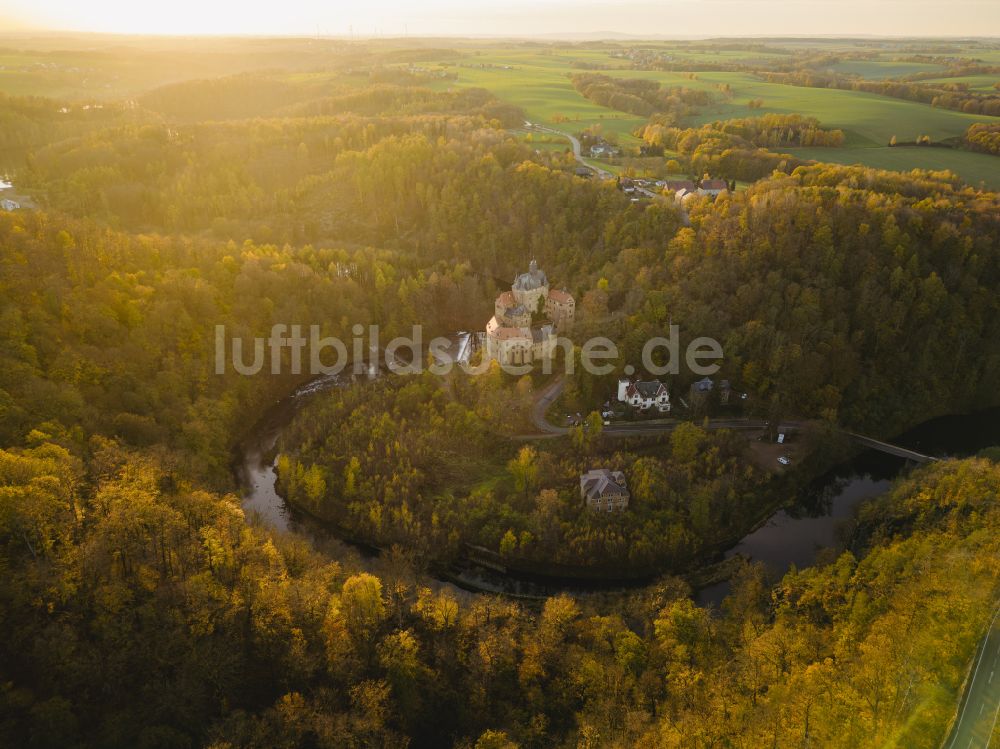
<point x="511" y="17"/>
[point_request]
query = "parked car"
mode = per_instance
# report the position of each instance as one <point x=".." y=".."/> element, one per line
<point x="784" y="460"/>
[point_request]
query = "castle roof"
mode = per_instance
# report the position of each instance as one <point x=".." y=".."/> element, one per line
<point x="562" y="297"/>
<point x="501" y="332"/>
<point x="541" y="333"/>
<point x="533" y="279"/>
<point x="516" y="311"/>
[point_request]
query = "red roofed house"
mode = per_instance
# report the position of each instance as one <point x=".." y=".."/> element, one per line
<point x="713" y="187"/>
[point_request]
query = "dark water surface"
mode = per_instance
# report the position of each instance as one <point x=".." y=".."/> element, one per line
<point x="795" y="536"/>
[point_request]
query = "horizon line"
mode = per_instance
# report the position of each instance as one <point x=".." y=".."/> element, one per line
<point x="580" y="36"/>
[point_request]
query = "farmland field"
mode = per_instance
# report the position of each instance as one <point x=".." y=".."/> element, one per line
<point x="972" y="167"/>
<point x="536" y="77"/>
<point x="984" y="83"/>
<point x="877" y="69"/>
<point x="539" y="82"/>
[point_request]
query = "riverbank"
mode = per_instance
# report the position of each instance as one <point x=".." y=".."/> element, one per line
<point x="793" y="499"/>
<point x="260" y="477"/>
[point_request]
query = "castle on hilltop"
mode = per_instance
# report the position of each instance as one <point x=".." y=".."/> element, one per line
<point x="527" y="319"/>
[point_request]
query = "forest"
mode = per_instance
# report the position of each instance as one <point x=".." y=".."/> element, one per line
<point x="437" y="470"/>
<point x="739" y="148"/>
<point x="143" y="611"/>
<point x="144" y="606"/>
<point x="984" y="138"/>
<point x="640" y="96"/>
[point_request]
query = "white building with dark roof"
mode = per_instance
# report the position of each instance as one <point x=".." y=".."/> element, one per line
<point x="644" y="395"/>
<point x="604" y="490"/>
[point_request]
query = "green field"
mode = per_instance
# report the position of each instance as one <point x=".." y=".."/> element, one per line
<point x="982" y="83"/>
<point x="972" y="167"/>
<point x="990" y="57"/>
<point x="539" y="83"/>
<point x="536" y="77"/>
<point x="878" y="69"/>
<point x="866" y="119"/>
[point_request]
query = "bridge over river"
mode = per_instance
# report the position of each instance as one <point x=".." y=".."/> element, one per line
<point x="889" y="449"/>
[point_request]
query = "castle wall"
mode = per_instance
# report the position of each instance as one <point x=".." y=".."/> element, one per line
<point x="529" y="297"/>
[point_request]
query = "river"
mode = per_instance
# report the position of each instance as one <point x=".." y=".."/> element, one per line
<point x="792" y="536"/>
<point x="255" y="470"/>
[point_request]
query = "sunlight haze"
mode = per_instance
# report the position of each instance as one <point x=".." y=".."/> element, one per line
<point x="673" y="18"/>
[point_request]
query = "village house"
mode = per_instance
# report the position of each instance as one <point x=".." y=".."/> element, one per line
<point x="713" y="187"/>
<point x="604" y="149"/>
<point x="676" y="185"/>
<point x="512" y="335"/>
<point x="604" y="490"/>
<point x="683" y="195"/>
<point x="701" y="389"/>
<point x="644" y="395"/>
<point x="724" y="395"/>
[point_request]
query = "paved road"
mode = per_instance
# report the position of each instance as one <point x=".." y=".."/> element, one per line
<point x="980" y="707"/>
<point x="577" y="153"/>
<point x="604" y="174"/>
<point x="548" y="394"/>
<point x="543" y="399"/>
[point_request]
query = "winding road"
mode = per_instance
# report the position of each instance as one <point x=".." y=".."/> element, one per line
<point x="577" y="152"/>
<point x="980" y="707"/>
<point x="602" y="173"/>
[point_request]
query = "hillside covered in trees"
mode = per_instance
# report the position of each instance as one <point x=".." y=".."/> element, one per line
<point x="143" y="606"/>
<point x="145" y="612"/>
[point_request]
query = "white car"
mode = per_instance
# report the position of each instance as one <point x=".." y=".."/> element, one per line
<point x="784" y="460"/>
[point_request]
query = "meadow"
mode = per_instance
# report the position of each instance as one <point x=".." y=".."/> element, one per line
<point x="878" y="69"/>
<point x="536" y="77"/>
<point x="975" y="168"/>
<point x="984" y="83"/>
<point x="538" y="80"/>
